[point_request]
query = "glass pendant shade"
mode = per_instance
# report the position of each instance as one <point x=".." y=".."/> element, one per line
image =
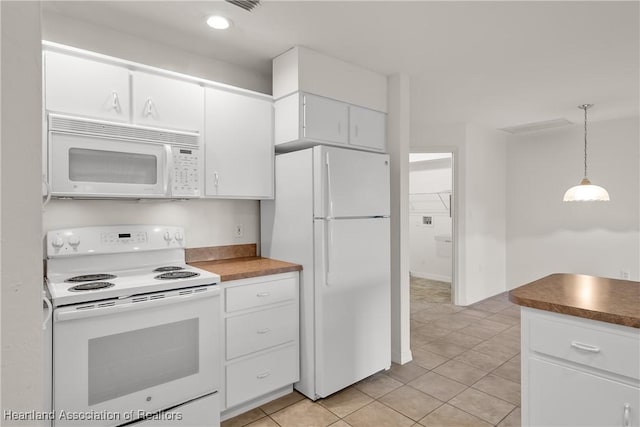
<point x="586" y="192"/>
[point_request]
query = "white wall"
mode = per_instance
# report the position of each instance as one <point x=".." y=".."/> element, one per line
<point x="207" y="222"/>
<point x="479" y="215"/>
<point x="430" y="259"/>
<point x="485" y="213"/>
<point x="546" y="235"/>
<point x="20" y="233"/>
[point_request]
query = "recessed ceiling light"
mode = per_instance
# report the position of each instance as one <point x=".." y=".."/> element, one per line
<point x="218" y="22"/>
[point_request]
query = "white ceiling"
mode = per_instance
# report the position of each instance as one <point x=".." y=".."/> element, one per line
<point x="495" y="64"/>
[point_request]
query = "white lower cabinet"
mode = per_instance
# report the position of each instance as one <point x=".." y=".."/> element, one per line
<point x="578" y="372"/>
<point x="261" y="340"/>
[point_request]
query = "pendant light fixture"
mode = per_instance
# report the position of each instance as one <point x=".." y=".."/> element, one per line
<point x="585" y="191"/>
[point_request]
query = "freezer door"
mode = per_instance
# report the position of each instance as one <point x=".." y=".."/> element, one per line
<point x="350" y="183"/>
<point x="352" y="301"/>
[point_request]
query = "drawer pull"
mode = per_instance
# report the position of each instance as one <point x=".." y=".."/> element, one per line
<point x="263" y="375"/>
<point x="585" y="347"/>
<point x="262" y="294"/>
<point x="264" y="331"/>
<point x="627" y="417"/>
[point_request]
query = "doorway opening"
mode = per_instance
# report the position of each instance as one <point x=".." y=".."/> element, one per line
<point x="431" y="235"/>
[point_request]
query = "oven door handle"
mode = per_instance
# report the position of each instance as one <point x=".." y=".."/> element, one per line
<point x="64" y="315"/>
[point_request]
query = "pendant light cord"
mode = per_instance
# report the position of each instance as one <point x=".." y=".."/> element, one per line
<point x="585" y="141"/>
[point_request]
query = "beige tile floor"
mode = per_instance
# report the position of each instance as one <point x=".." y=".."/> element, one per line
<point x="465" y="372"/>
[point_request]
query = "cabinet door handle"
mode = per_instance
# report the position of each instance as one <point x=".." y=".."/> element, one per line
<point x="216" y="179"/>
<point x="148" y="108"/>
<point x="263" y="375"/>
<point x="115" y="101"/>
<point x="585" y="347"/>
<point x="262" y="294"/>
<point x="264" y="331"/>
<point x="627" y="415"/>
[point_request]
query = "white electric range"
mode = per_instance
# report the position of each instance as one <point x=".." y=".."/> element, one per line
<point x="135" y="329"/>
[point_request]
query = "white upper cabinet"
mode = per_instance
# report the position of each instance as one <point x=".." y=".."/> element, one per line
<point x="165" y="102"/>
<point x="86" y="87"/>
<point x="303" y="120"/>
<point x="367" y="128"/>
<point x="325" y="119"/>
<point x="238" y="145"/>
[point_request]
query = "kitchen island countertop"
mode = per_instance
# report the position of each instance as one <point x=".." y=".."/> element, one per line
<point x="590" y="297"/>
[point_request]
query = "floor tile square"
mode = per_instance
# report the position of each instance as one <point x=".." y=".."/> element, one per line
<point x="463" y="340"/>
<point x="509" y="369"/>
<point x="500" y="387"/>
<point x="346" y="401"/>
<point x="444" y="348"/>
<point x="378" y="385"/>
<point x="304" y="413"/>
<point x="282" y="402"/>
<point x="410" y="402"/>
<point x="244" y="418"/>
<point x="407" y="372"/>
<point x="498" y="351"/>
<point x="477" y="331"/>
<point x="379" y="415"/>
<point x="512" y="420"/>
<point x="263" y="422"/>
<point x="461" y="372"/>
<point x="435" y="385"/>
<point x="449" y="416"/>
<point x="427" y="359"/>
<point x="482" y="405"/>
<point x="479" y="360"/>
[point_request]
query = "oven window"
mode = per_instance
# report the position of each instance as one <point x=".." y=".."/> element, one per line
<point x="127" y="362"/>
<point x="112" y="166"/>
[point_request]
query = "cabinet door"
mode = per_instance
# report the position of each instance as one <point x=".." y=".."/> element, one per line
<point x="167" y="103"/>
<point x="367" y="128"/>
<point x="239" y="145"/>
<point x="562" y="396"/>
<point x="86" y="87"/>
<point x="325" y="119"/>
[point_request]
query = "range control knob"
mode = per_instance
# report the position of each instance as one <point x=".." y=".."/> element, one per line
<point x="179" y="237"/>
<point x="167" y="237"/>
<point x="74" y="241"/>
<point x="57" y="242"/>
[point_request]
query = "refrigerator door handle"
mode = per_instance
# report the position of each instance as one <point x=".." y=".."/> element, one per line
<point x="330" y="196"/>
<point x="327" y="279"/>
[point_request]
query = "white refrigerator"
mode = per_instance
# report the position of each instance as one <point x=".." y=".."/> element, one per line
<point x="331" y="215"/>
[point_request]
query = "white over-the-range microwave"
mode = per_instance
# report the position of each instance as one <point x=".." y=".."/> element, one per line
<point x="98" y="159"/>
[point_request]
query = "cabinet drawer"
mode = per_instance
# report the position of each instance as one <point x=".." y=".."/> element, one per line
<point x="251" y="332"/>
<point x="609" y="350"/>
<point x="241" y="297"/>
<point x="259" y="375"/>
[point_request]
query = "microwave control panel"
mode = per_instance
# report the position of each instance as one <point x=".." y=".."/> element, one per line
<point x="186" y="172"/>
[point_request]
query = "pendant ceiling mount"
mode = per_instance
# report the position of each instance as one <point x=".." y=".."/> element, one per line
<point x="585" y="191"/>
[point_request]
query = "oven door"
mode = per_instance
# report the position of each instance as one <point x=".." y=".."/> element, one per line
<point x="118" y="359"/>
<point x="92" y="166"/>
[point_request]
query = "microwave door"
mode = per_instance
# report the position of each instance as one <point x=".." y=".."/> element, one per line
<point x="90" y="166"/>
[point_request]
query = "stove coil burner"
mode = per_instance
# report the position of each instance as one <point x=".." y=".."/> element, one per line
<point x="91" y="278"/>
<point x="168" y="268"/>
<point x="176" y="275"/>
<point x="93" y="286"/>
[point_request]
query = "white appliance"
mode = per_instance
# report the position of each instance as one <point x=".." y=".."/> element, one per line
<point x="135" y="329"/>
<point x="94" y="159"/>
<point x="331" y="215"/>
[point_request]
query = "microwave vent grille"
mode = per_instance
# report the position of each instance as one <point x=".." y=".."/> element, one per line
<point x="113" y="130"/>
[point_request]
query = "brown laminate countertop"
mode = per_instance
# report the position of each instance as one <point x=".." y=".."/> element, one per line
<point x="590" y="297"/>
<point x="243" y="268"/>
